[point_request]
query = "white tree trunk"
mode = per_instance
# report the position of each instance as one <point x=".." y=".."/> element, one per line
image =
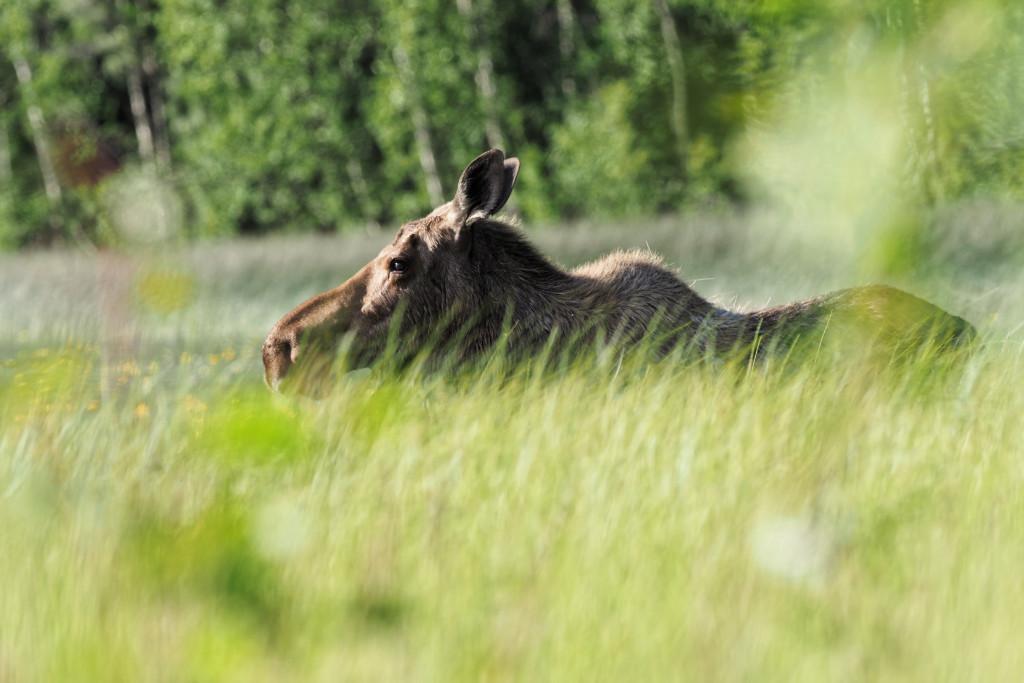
<point x="566" y="42"/>
<point x="484" y="78"/>
<point x="161" y="135"/>
<point x="140" y="114"/>
<point x="37" y="126"/>
<point x="421" y="126"/>
<point x="677" y="69"/>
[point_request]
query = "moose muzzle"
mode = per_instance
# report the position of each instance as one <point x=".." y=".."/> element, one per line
<point x="305" y="339"/>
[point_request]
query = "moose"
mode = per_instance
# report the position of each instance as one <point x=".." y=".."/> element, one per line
<point x="461" y="281"/>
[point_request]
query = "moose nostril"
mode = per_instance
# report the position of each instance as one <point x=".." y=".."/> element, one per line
<point x="278" y="357"/>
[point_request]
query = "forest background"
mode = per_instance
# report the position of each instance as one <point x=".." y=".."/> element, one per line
<point x="198" y="118"/>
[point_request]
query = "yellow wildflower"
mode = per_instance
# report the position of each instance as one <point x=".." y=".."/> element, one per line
<point x="193" y="405"/>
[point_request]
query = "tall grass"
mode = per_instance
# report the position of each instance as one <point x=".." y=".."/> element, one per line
<point x="170" y="519"/>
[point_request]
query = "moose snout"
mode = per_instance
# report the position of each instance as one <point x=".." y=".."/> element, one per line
<point x="317" y="325"/>
<point x="279" y="354"/>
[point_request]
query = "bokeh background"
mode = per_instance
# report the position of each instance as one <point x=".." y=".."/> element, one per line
<point x="145" y="120"/>
<point x="177" y="174"/>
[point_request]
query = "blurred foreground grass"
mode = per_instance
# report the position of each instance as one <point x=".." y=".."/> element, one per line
<point x="166" y="518"/>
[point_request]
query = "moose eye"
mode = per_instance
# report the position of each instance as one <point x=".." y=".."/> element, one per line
<point x="398" y="265"/>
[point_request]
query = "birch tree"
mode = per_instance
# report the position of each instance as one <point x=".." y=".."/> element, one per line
<point x="677" y="68"/>
<point x="485" y="80"/>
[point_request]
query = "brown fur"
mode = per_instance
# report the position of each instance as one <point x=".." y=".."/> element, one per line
<point x="465" y="278"/>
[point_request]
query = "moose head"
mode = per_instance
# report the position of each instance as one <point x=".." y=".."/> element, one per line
<point x="427" y="281"/>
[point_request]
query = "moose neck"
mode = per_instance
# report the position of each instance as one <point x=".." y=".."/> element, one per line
<point x="515" y="274"/>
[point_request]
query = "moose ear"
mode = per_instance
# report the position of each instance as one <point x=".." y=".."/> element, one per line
<point x="485" y="186"/>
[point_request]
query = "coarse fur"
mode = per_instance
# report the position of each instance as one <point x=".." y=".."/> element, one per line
<point x="458" y="281"/>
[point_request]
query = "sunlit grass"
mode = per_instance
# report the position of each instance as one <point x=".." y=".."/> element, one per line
<point x="680" y="520"/>
<point x="167" y="518"/>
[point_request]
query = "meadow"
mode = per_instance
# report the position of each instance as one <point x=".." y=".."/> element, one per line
<point x="166" y="518"/>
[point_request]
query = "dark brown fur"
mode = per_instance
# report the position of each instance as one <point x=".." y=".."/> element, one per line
<point x="460" y="279"/>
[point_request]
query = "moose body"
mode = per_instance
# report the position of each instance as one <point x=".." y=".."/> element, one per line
<point x="458" y="281"/>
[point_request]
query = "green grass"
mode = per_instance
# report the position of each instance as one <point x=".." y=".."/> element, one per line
<point x="166" y="518"/>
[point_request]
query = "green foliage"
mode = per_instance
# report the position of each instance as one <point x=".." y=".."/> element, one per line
<point x="322" y="116"/>
<point x="248" y="430"/>
<point x="603" y="171"/>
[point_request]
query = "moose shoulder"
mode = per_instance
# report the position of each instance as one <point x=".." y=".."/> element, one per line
<point x="458" y="279"/>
